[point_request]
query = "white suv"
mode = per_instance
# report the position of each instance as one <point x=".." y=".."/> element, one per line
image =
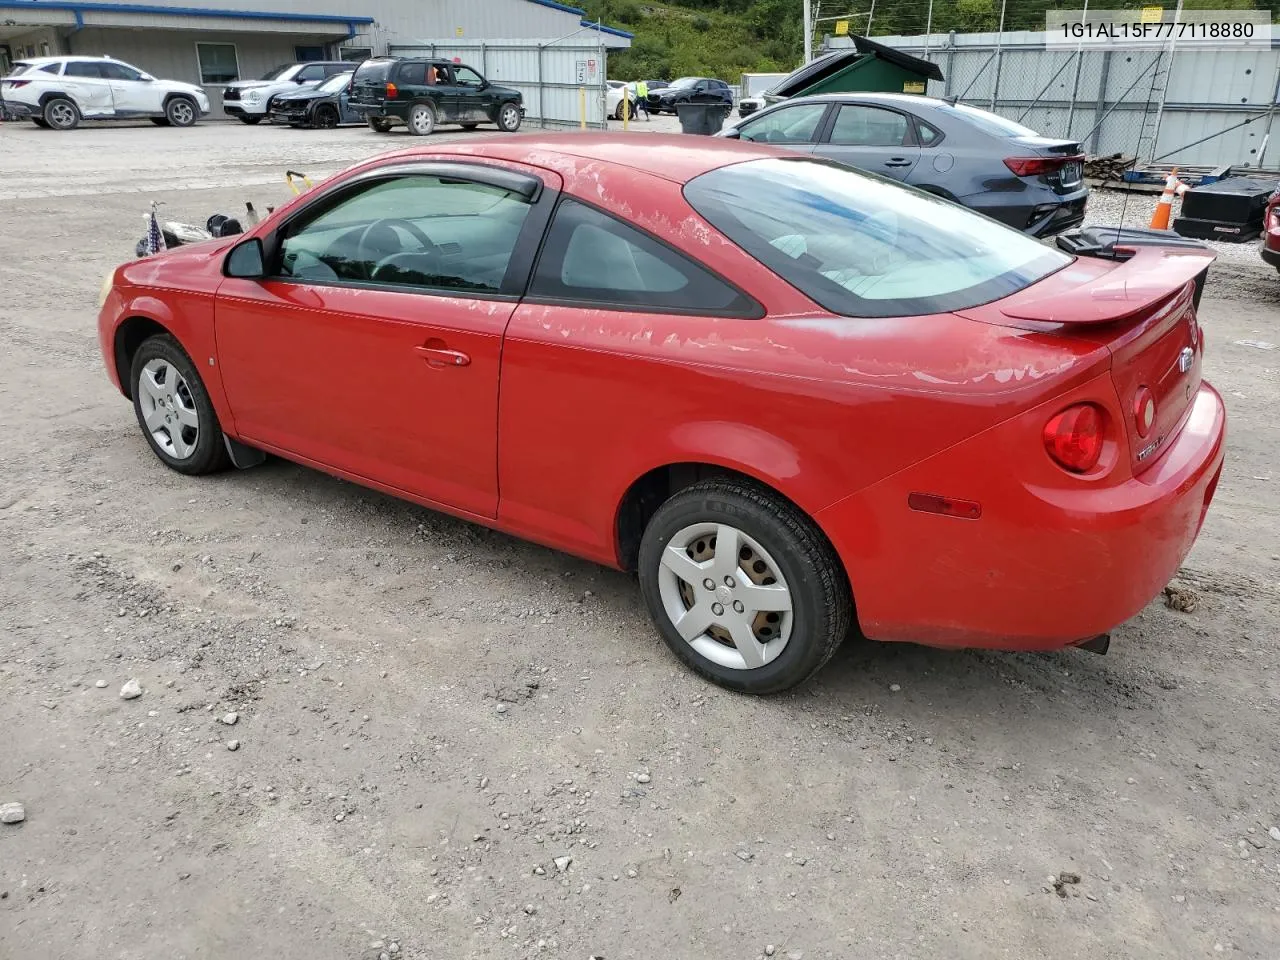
<point x="249" y="101"/>
<point x="59" y="92"/>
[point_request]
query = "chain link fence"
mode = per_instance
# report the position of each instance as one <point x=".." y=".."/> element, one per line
<point x="1189" y="106"/>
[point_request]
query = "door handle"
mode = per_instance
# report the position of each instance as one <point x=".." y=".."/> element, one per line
<point x="441" y="356"/>
<point x="897" y="162"/>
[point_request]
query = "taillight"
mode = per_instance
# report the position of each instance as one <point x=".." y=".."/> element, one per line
<point x="391" y="91"/>
<point x="1144" y="411"/>
<point x="1074" y="438"/>
<point x="17" y="83"/>
<point x="1037" y="166"/>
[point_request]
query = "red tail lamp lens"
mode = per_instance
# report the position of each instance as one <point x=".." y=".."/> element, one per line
<point x="1144" y="411"/>
<point x="391" y="91"/>
<point x="1074" y="437"/>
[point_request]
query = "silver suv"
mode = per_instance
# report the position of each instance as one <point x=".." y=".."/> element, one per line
<point x="249" y="101"/>
<point x="59" y="92"/>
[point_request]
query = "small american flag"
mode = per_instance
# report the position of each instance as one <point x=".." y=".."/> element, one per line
<point x="155" y="236"/>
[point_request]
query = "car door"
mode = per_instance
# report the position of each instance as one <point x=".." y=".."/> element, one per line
<point x="872" y="138"/>
<point x="372" y="345"/>
<point x="85" y="81"/>
<point x="449" y="96"/>
<point x="795" y="126"/>
<point x="130" y="93"/>
<point x="472" y="103"/>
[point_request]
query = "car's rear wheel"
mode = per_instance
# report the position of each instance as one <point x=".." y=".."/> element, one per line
<point x="245" y="118"/>
<point x="181" y="111"/>
<point x="743" y="586"/>
<point x="61" y="114"/>
<point x="509" y="118"/>
<point x="325" y="117"/>
<point x="174" y="409"/>
<point x="379" y="126"/>
<point x="422" y="119"/>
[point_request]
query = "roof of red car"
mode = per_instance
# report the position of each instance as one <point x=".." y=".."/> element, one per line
<point x="676" y="157"/>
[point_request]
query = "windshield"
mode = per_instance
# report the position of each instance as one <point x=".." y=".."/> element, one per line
<point x="278" y="72"/>
<point x="864" y="246"/>
<point x="335" y="83"/>
<point x="986" y="121"/>
<point x="684" y="82"/>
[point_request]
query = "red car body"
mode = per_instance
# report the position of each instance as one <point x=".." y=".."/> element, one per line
<point x="1270" y="246"/>
<point x="875" y="428"/>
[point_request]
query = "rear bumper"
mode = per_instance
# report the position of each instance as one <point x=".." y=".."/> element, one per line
<point x="1270" y="247"/>
<point x="1040" y="213"/>
<point x="1052" y="561"/>
<point x="19" y="110"/>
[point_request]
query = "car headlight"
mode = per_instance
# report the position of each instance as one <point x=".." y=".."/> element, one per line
<point x="107" y="283"/>
<point x="253" y="96"/>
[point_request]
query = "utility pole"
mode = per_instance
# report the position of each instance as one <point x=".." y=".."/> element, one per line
<point x="808" y="31"/>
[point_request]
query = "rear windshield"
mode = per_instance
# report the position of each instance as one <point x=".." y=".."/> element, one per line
<point x="374" y="71"/>
<point x="986" y="121"/>
<point x="864" y="246"/>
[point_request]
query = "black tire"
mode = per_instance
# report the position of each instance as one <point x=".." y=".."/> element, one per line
<point x="160" y="121"/>
<point x="379" y="126"/>
<point x="60" y="113"/>
<point x="251" y="121"/>
<point x="40" y="122"/>
<point x="421" y="119"/>
<point x="181" y="112"/>
<point x="509" y="117"/>
<point x="210" y="451"/>
<point x="822" y="606"/>
<point x="325" y="117"/>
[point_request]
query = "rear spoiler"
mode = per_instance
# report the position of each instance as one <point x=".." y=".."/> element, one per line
<point x="1148" y="276"/>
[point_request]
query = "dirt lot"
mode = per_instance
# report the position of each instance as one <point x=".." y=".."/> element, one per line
<point x="430" y="714"/>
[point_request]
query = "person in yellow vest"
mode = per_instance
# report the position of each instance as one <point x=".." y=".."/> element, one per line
<point x="642" y="99"/>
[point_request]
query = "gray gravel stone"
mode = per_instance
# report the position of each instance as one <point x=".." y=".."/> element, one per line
<point x="132" y="690"/>
<point x="643" y="778"/>
<point x="233" y="745"/>
<point x="562" y="863"/>
<point x="12" y="812"/>
<point x="231" y="719"/>
<point x="1274" y="833"/>
<point x="101" y="684"/>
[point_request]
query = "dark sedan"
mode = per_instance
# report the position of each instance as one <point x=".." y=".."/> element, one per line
<point x="976" y="158"/>
<point x="324" y="106"/>
<point x="689" y="90"/>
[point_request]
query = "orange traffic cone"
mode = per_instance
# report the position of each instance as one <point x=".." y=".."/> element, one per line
<point x="1164" y="209"/>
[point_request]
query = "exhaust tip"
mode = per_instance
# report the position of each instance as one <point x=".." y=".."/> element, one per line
<point x="1099" y="644"/>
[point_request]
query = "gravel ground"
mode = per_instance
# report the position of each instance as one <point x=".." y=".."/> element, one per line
<point x="364" y="729"/>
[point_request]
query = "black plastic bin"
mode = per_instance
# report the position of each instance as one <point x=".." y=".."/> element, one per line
<point x="702" y="118"/>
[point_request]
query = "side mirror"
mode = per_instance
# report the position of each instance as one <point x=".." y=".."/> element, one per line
<point x="484" y="84"/>
<point x="147" y="78"/>
<point x="732" y="134"/>
<point x="246" y="261"/>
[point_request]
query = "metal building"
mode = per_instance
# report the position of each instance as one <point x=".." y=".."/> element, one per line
<point x="212" y="42"/>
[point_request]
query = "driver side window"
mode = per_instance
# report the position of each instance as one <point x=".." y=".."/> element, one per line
<point x="798" y="124"/>
<point x="441" y="235"/>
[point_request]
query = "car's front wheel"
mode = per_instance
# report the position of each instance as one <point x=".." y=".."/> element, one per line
<point x="174" y="409"/>
<point x="181" y="112"/>
<point x="325" y="117"/>
<point x="509" y="118"/>
<point x="743" y="586"/>
<point x="61" y="114"/>
<point x="422" y="119"/>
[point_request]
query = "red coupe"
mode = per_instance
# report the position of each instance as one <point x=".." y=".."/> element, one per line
<point x="796" y="399"/>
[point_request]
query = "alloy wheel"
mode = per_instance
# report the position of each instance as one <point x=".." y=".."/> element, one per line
<point x="181" y="113"/>
<point x="510" y="117"/>
<point x="725" y="595"/>
<point x="62" y="115"/>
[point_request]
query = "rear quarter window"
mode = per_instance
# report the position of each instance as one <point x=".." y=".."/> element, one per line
<point x="861" y="245"/>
